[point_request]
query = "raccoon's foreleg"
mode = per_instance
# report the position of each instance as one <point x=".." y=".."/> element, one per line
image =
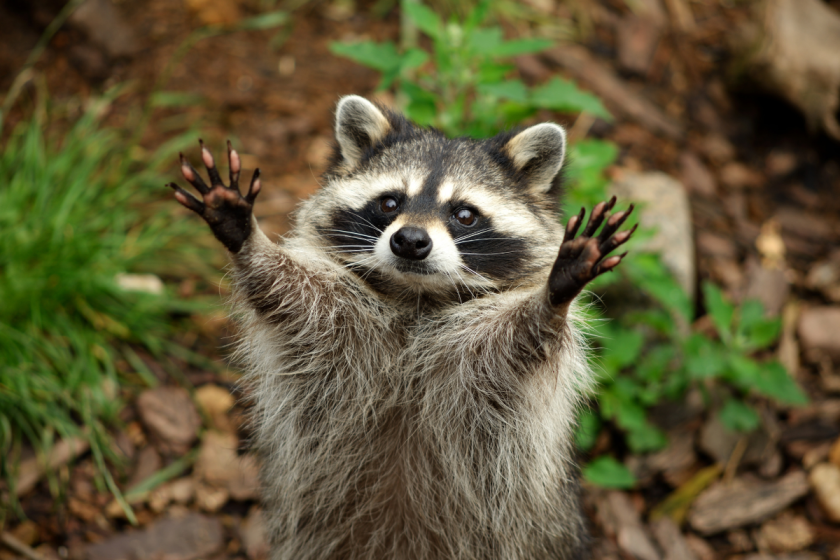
<point x="582" y="259"/>
<point x="224" y="209"/>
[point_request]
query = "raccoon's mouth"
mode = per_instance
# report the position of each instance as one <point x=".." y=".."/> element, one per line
<point x="413" y="267"/>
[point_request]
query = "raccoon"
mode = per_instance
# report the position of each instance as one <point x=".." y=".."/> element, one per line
<point x="414" y="344"/>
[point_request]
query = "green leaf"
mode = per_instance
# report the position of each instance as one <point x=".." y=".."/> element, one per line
<point x="622" y="349"/>
<point x="738" y="416"/>
<point x="422" y="105"/>
<point x="750" y="314"/>
<point x="646" y="438"/>
<point x="427" y="20"/>
<point x="379" y="56"/>
<point x="491" y="73"/>
<point x="176" y="99"/>
<point x="606" y="472"/>
<point x="647" y="271"/>
<point x="413" y="58"/>
<point x="720" y="310"/>
<point x="703" y="357"/>
<point x="763" y="333"/>
<point x="519" y="46"/>
<point x="743" y="371"/>
<point x="655" y="363"/>
<point x="774" y="381"/>
<point x="264" y="21"/>
<point x="589" y="425"/>
<point x="482" y="41"/>
<point x="563" y="95"/>
<point x="514" y="90"/>
<point x="477" y="15"/>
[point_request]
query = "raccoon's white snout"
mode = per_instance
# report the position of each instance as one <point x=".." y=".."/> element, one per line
<point x="411" y="243"/>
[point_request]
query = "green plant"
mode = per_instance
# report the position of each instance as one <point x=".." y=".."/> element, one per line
<point x="464" y="86"/>
<point x="77" y="212"/>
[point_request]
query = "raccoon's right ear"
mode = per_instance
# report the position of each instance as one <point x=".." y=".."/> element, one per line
<point x="538" y="152"/>
<point x="359" y="124"/>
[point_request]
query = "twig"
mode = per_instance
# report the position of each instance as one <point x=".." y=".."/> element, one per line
<point x="16" y="545"/>
<point x="734" y="460"/>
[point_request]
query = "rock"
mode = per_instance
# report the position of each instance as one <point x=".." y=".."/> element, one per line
<point x="825" y="481"/>
<point x="215" y="402"/>
<point x="786" y="533"/>
<point x="743" y="501"/>
<point x="824" y="277"/>
<point x="665" y="207"/>
<point x="102" y="22"/>
<point x="768" y="285"/>
<point x="671" y="540"/>
<point x="148" y="463"/>
<point x="736" y="175"/>
<point x="254" y="535"/>
<point x="818" y="331"/>
<point x="719" y="443"/>
<point x="620" y="518"/>
<point x="147" y="283"/>
<point x="792" y="51"/>
<point x="220" y="466"/>
<point x="171" y="417"/>
<point x="637" y="39"/>
<point x="180" y="491"/>
<point x="210" y="498"/>
<point x="186" y="538"/>
<point x="696" y="176"/>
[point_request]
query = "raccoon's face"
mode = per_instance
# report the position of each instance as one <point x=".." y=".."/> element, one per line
<point x="410" y="211"/>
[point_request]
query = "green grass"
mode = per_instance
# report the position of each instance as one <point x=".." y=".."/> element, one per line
<point x="75" y="212"/>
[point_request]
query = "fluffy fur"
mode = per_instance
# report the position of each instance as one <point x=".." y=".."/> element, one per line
<point x="417" y="414"/>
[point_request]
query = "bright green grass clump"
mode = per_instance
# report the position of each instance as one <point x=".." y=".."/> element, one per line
<point x="75" y="214"/>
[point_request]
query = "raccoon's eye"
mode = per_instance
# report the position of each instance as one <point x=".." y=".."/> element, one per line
<point x="389" y="204"/>
<point x="465" y="216"/>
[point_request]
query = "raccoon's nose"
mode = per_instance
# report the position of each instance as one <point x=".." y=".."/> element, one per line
<point x="411" y="243"/>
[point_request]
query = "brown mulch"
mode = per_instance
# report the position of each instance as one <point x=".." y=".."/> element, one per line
<point x="753" y="173"/>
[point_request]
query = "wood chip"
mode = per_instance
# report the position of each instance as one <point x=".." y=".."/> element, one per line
<point x="613" y="90"/>
<point x="32" y="470"/>
<point x="671" y="540"/>
<point x="744" y="501"/>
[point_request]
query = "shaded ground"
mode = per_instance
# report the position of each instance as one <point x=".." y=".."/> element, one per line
<point x="752" y="173"/>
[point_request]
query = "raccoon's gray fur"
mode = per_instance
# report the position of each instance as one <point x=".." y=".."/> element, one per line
<point x="416" y="377"/>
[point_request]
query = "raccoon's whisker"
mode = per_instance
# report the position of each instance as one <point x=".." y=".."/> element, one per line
<point x="489" y="254"/>
<point x="367" y="222"/>
<point x="484" y="239"/>
<point x="352" y="233"/>
<point x="471" y="234"/>
<point x="464" y="283"/>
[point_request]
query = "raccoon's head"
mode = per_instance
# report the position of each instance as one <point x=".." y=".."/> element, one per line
<point x="412" y="212"/>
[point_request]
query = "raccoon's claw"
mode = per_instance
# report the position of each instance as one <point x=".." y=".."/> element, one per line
<point x="581" y="259"/>
<point x="224" y="209"/>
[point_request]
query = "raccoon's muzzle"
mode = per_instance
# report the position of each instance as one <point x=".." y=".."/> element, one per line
<point x="411" y="243"/>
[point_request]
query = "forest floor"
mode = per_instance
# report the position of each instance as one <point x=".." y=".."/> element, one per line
<point x="751" y="171"/>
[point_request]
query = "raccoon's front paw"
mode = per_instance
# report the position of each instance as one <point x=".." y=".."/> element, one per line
<point x="224" y="209"/>
<point x="582" y="259"/>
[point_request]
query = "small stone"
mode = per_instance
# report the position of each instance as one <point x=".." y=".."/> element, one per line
<point x="209" y="498"/>
<point x="220" y="465"/>
<point x="700" y="547"/>
<point x="621" y="519"/>
<point x="824" y="276"/>
<point x="254" y="535"/>
<point x="215" y="402"/>
<point x="696" y="176"/>
<point x="787" y="533"/>
<point x="825" y="482"/>
<point x="171" y="417"/>
<point x="186" y="538"/>
<point x="768" y="285"/>
<point x="818" y="331"/>
<point x="718" y="148"/>
<point x="671" y="540"/>
<point x="637" y="38"/>
<point x="148" y="463"/>
<point x="736" y="175"/>
<point x="147" y="283"/>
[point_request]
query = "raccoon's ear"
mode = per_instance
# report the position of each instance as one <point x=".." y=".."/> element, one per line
<point x="538" y="152"/>
<point x="359" y="124"/>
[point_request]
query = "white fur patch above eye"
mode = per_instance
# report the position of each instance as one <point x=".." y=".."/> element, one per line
<point x="539" y="150"/>
<point x="445" y="191"/>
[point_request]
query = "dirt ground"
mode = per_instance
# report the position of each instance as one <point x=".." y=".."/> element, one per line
<point x="750" y="166"/>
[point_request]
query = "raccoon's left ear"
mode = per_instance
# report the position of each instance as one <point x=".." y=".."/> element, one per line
<point x="538" y="152"/>
<point x="359" y="124"/>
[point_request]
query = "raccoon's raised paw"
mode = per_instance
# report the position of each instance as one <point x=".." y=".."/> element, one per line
<point x="583" y="258"/>
<point x="225" y="210"/>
